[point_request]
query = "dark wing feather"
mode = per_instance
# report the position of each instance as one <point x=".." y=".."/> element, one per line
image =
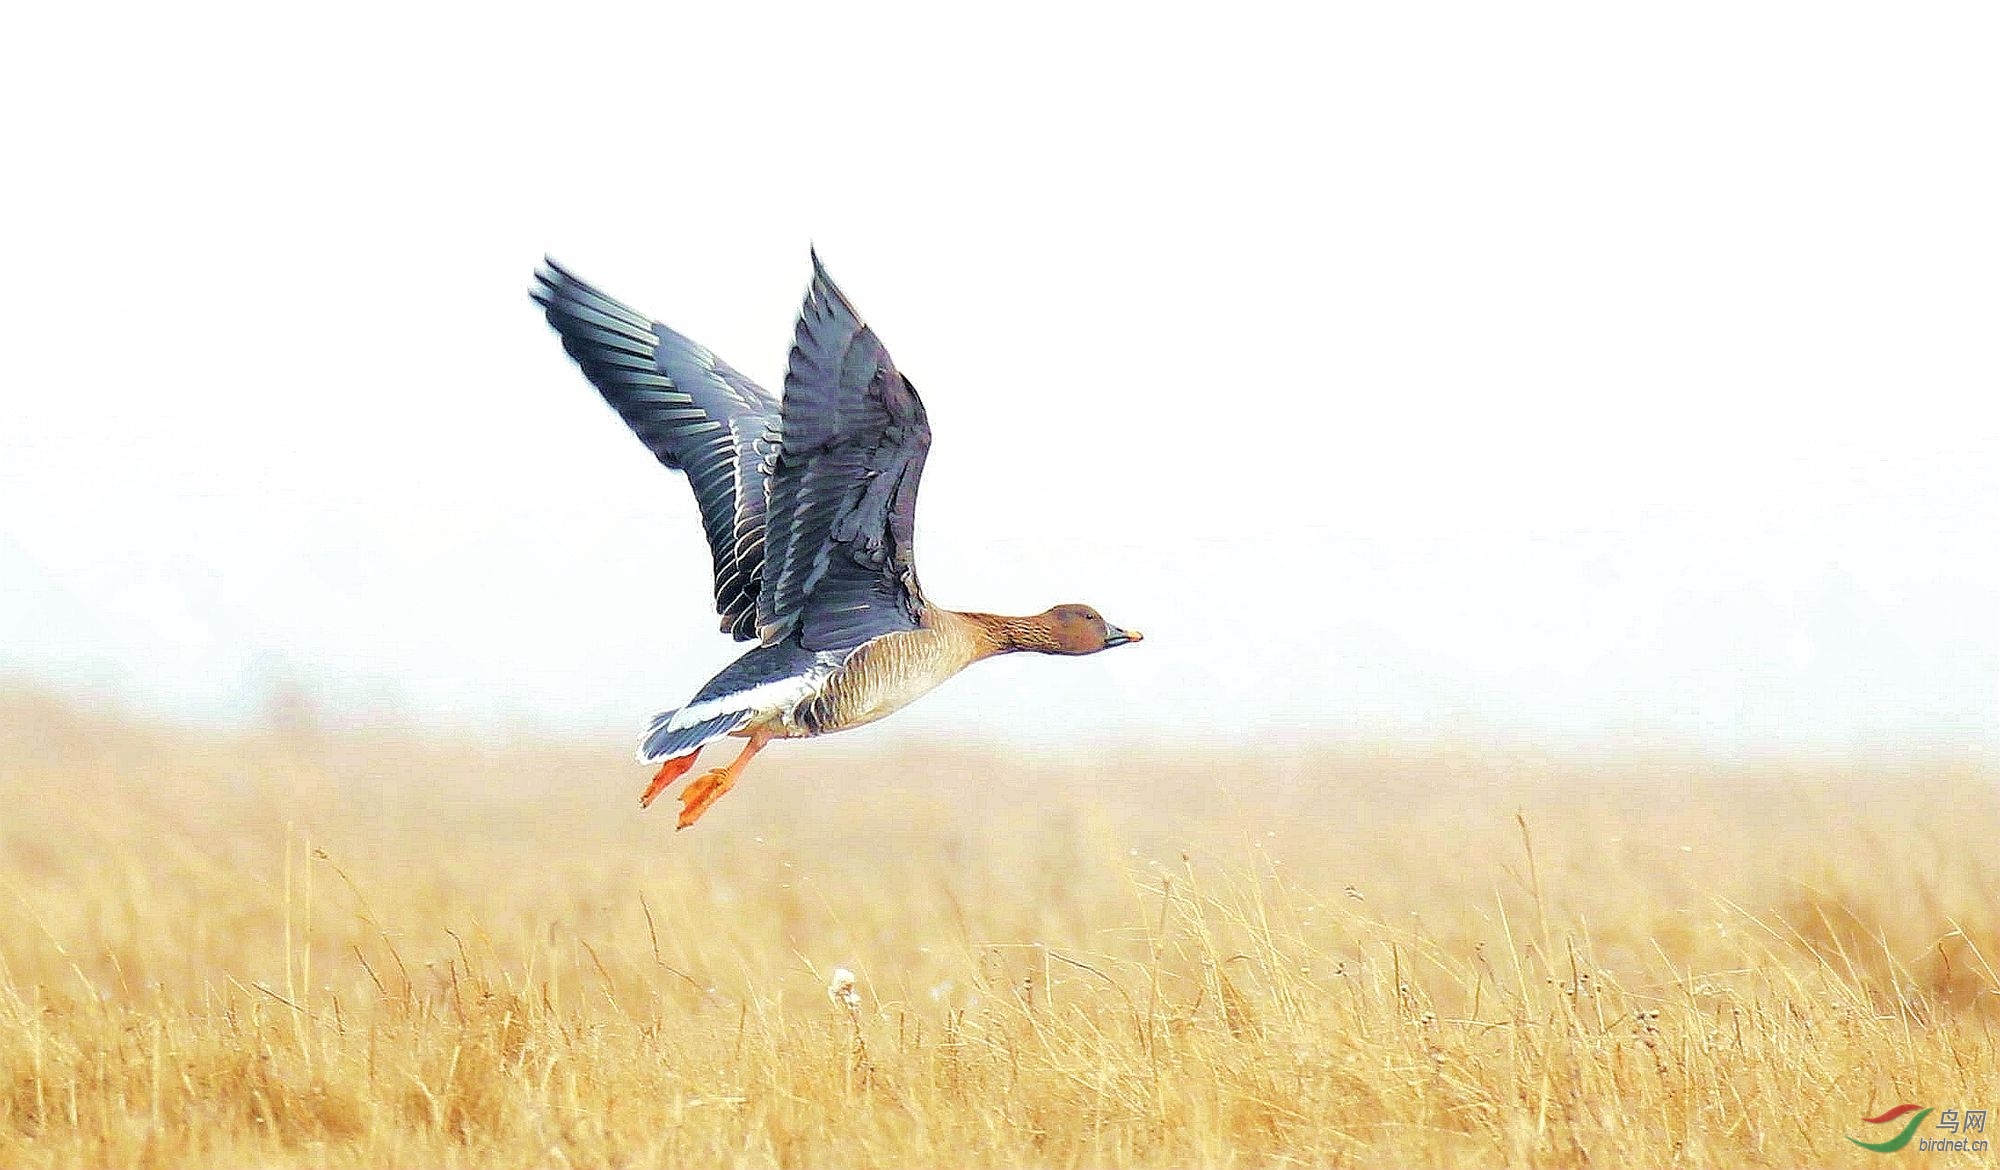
<point x="693" y="411"/>
<point x="839" y="552"/>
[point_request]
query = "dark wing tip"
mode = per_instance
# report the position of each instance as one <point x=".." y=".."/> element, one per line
<point x="825" y="290"/>
<point x="564" y="295"/>
<point x="553" y="272"/>
<point x="549" y="277"/>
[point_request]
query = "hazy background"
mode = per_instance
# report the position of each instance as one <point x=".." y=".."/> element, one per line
<point x="1567" y="374"/>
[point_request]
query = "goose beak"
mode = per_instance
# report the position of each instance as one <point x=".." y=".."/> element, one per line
<point x="1113" y="636"/>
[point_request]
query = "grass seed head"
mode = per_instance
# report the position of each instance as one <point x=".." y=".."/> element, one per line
<point x="840" y="990"/>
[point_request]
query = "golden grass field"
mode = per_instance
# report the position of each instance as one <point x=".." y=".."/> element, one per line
<point x="379" y="948"/>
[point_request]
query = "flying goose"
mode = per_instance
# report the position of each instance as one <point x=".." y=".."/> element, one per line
<point x="810" y="508"/>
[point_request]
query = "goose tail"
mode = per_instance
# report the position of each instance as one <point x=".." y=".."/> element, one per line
<point x="665" y="740"/>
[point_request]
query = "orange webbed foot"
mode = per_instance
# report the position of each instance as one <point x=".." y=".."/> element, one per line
<point x="669" y="772"/>
<point x="703" y="791"/>
<point x="708" y="787"/>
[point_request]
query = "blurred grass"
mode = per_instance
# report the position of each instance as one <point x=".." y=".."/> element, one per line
<point x="365" y="948"/>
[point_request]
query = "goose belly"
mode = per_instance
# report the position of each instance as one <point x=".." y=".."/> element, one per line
<point x="882" y="677"/>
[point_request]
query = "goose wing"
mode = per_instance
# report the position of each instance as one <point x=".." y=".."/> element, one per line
<point x="693" y="411"/>
<point x="839" y="543"/>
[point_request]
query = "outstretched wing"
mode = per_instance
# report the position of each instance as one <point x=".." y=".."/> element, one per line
<point x="695" y="413"/>
<point x="839" y="544"/>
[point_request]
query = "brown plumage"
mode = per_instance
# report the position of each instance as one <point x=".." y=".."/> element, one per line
<point x="888" y="673"/>
<point x="810" y="510"/>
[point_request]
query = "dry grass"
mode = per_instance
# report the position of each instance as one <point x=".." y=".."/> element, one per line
<point x="363" y="950"/>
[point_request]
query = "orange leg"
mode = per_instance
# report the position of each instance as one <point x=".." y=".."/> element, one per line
<point x="669" y="772"/>
<point x="708" y="787"/>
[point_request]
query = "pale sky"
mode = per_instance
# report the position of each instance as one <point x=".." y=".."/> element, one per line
<point x="1572" y="374"/>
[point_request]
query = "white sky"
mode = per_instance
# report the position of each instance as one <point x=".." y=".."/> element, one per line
<point x="1571" y="373"/>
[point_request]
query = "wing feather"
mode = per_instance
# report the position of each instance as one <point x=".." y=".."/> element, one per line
<point x="840" y="524"/>
<point x="694" y="412"/>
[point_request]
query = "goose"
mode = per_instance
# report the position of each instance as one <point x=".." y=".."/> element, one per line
<point x="809" y="506"/>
